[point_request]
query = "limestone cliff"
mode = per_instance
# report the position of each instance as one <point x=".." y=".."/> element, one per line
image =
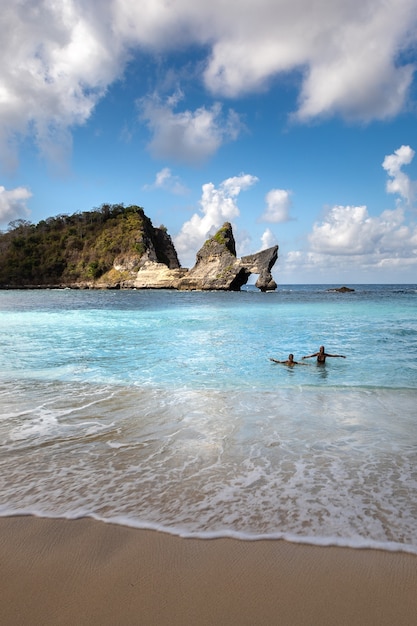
<point x="156" y="276"/>
<point x="216" y="268"/>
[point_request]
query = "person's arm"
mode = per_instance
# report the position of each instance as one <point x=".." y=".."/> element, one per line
<point x="309" y="356"/>
<point x="341" y="356"/>
<point x="275" y="360"/>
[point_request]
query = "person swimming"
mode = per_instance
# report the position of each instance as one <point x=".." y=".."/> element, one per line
<point x="290" y="361"/>
<point x="322" y="355"/>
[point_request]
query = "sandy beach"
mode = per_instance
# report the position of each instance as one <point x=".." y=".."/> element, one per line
<point x="87" y="572"/>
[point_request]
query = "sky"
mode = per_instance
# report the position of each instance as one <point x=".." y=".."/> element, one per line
<point x="295" y="120"/>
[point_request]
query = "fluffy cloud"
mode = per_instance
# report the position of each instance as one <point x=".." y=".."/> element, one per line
<point x="349" y="242"/>
<point x="56" y="63"/>
<point x="354" y="71"/>
<point x="187" y="136"/>
<point x="350" y="230"/>
<point x="268" y="239"/>
<point x="400" y="183"/>
<point x="218" y="205"/>
<point x="164" y="179"/>
<point x="58" y="59"/>
<point x="278" y="204"/>
<point x="372" y="245"/>
<point x="13" y="203"/>
<point x="346" y="53"/>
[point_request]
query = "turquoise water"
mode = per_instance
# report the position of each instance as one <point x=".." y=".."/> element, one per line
<point x="160" y="409"/>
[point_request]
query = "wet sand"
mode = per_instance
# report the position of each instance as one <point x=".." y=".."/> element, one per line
<point x="87" y="572"/>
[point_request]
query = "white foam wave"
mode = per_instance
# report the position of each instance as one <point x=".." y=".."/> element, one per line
<point x="328" y="467"/>
<point x="358" y="543"/>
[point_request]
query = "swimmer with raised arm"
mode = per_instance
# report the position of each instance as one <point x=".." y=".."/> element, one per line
<point x="290" y="361"/>
<point x="321" y="355"/>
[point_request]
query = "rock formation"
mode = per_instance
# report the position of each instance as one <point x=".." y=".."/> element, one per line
<point x="216" y="268"/>
<point x="261" y="263"/>
<point x="117" y="247"/>
<point x="341" y="289"/>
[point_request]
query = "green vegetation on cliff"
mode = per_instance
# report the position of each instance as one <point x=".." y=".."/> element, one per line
<point x="82" y="247"/>
<point x="222" y="239"/>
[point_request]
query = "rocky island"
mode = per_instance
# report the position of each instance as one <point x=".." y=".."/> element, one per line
<point x="341" y="289"/>
<point x="117" y="247"/>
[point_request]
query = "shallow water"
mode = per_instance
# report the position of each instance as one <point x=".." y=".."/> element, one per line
<point x="160" y="409"/>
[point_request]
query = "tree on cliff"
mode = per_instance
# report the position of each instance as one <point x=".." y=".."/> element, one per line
<point x="82" y="247"/>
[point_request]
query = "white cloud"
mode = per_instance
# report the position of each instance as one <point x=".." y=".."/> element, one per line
<point x="13" y="203"/>
<point x="56" y="64"/>
<point x="349" y="244"/>
<point x="187" y="136"/>
<point x="350" y="230"/>
<point x="268" y="239"/>
<point x="400" y="183"/>
<point x="164" y="179"/>
<point x="278" y="204"/>
<point x="218" y="205"/>
<point x="347" y="53"/>
<point x="350" y="78"/>
<point x="58" y="59"/>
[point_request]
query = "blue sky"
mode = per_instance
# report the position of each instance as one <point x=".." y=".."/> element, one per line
<point x="293" y="120"/>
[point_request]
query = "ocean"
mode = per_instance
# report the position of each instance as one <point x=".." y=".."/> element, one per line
<point x="162" y="410"/>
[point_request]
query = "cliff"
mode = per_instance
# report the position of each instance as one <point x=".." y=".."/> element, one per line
<point x="80" y="249"/>
<point x="217" y="266"/>
<point x="117" y="247"/>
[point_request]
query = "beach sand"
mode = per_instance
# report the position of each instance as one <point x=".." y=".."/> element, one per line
<point x="87" y="572"/>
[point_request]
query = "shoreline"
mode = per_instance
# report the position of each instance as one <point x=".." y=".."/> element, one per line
<point x="57" y="571"/>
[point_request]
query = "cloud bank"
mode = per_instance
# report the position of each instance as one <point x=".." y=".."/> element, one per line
<point x="59" y="58"/>
<point x="349" y="237"/>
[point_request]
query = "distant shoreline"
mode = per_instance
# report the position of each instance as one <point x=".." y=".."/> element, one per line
<point x="329" y="287"/>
